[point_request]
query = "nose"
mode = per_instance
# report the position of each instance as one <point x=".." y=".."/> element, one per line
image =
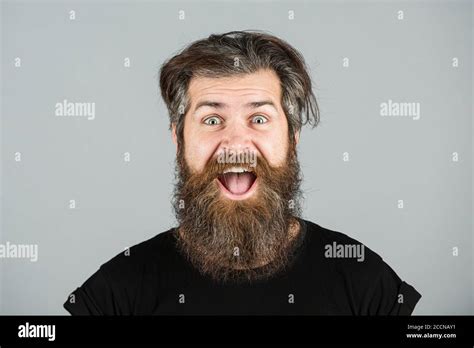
<point x="237" y="137"/>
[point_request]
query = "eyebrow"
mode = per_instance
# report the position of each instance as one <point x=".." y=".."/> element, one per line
<point x="218" y="105"/>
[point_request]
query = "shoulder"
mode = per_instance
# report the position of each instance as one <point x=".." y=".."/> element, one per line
<point x="345" y="254"/>
<point x="113" y="288"/>
<point x="371" y="284"/>
<point x="147" y="253"/>
<point x="339" y="246"/>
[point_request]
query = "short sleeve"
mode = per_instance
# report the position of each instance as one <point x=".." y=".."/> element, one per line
<point x="390" y="295"/>
<point x="410" y="298"/>
<point x="94" y="297"/>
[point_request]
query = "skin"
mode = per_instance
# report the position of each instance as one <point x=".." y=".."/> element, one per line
<point x="240" y="127"/>
<point x="235" y="126"/>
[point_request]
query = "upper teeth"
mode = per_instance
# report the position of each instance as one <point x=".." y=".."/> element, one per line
<point x="235" y="170"/>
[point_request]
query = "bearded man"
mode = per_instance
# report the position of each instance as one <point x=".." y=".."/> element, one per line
<point x="237" y="102"/>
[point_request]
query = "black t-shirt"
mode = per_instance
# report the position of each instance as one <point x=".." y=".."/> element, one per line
<point x="154" y="278"/>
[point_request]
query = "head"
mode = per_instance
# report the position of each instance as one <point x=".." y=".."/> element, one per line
<point x="237" y="102"/>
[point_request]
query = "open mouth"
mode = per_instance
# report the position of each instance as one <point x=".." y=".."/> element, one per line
<point x="237" y="182"/>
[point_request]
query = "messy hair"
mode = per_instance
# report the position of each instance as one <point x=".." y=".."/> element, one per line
<point x="234" y="53"/>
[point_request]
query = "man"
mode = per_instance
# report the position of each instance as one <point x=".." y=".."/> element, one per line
<point x="237" y="102"/>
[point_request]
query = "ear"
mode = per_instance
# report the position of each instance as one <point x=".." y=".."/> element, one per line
<point x="174" y="136"/>
<point x="297" y="137"/>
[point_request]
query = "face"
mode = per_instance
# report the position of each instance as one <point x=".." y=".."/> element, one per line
<point x="232" y="122"/>
<point x="235" y="212"/>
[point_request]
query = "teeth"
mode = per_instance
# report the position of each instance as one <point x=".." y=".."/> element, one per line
<point x="235" y="170"/>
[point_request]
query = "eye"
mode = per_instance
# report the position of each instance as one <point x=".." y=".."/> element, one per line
<point x="212" y="121"/>
<point x="259" y="119"/>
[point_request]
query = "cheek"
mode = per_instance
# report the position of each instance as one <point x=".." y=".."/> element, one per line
<point x="274" y="146"/>
<point x="274" y="151"/>
<point x="198" y="149"/>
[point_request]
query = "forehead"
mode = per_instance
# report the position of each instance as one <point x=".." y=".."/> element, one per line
<point x="263" y="83"/>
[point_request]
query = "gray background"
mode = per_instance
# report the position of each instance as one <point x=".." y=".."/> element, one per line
<point x="120" y="204"/>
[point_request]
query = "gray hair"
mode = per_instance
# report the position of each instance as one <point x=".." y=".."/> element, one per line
<point x="240" y="52"/>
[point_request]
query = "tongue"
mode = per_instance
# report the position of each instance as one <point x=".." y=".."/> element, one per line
<point x="237" y="183"/>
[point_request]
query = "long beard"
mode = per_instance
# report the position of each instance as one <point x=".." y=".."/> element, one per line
<point x="238" y="240"/>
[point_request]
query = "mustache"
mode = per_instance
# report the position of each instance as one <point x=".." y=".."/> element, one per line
<point x="282" y="181"/>
<point x="214" y="168"/>
<point x="276" y="177"/>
